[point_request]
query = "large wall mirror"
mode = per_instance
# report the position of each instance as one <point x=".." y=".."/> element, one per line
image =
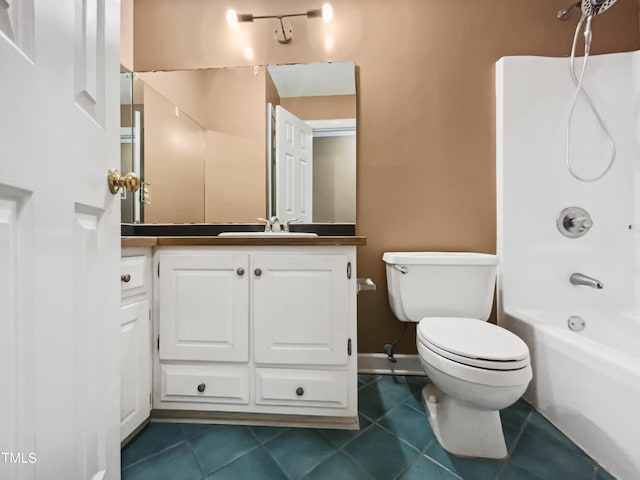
<point x="228" y="145"/>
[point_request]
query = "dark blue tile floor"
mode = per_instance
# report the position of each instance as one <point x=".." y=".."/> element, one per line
<point x="395" y="441"/>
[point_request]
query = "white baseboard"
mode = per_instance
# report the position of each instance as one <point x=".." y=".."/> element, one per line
<point x="380" y="364"/>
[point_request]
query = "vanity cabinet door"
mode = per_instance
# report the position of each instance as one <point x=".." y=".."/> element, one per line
<point x="300" y="309"/>
<point x="204" y="307"/>
<point x="135" y="366"/>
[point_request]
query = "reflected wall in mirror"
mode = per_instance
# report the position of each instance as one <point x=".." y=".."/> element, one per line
<point x="130" y="149"/>
<point x="313" y="155"/>
<point x="209" y="147"/>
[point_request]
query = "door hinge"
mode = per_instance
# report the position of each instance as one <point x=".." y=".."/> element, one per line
<point x="158" y="343"/>
<point x="158" y="269"/>
<point x="150" y="400"/>
<point x="349" y="347"/>
<point x="349" y="270"/>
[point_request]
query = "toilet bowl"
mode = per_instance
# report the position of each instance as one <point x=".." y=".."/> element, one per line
<point x="477" y="368"/>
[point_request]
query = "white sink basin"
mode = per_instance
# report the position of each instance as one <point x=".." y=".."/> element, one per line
<point x="268" y="234"/>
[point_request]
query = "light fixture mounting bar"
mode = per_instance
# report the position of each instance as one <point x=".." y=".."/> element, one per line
<point x="248" y="17"/>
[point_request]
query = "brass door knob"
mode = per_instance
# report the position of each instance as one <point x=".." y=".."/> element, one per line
<point x="240" y="271"/>
<point x="201" y="387"/>
<point x="258" y="272"/>
<point x="125" y="278"/>
<point x="130" y="181"/>
<point x="300" y="391"/>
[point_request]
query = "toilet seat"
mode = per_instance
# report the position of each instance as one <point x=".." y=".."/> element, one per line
<point x="473" y="343"/>
<point x="482" y="376"/>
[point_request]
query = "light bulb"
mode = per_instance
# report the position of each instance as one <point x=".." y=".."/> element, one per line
<point x="327" y="12"/>
<point x="232" y="18"/>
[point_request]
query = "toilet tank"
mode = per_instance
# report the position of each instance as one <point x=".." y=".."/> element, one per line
<point x="440" y="284"/>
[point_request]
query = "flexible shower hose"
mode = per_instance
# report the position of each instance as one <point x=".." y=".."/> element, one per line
<point x="579" y="90"/>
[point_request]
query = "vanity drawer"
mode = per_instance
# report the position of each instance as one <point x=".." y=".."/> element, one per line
<point x="313" y="388"/>
<point x="132" y="271"/>
<point x="186" y="383"/>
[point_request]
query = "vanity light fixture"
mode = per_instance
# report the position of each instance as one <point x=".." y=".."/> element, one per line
<point x="284" y="30"/>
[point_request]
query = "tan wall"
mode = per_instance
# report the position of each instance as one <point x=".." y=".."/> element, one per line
<point x="126" y="35"/>
<point x="272" y="92"/>
<point x="426" y="105"/>
<point x="184" y="88"/>
<point x="229" y="107"/>
<point x="236" y="144"/>
<point x="174" y="163"/>
<point x="334" y="179"/>
<point x="321" y="108"/>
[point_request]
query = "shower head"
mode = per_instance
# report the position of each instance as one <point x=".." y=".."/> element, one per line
<point x="596" y="7"/>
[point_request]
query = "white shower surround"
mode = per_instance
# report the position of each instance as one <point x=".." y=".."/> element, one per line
<point x="586" y="383"/>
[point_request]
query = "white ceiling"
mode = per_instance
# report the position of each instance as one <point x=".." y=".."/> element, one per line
<point x="314" y="79"/>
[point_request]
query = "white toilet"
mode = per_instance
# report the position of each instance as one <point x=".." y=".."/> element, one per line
<point x="477" y="368"/>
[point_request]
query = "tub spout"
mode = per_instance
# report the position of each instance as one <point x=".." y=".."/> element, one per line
<point x="581" y="279"/>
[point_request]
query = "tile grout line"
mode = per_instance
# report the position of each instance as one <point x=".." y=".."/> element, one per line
<point x="513" y="447"/>
<point x="355" y="460"/>
<point x="148" y="457"/>
<point x="204" y="475"/>
<point x="263" y="445"/>
<point x="260" y="444"/>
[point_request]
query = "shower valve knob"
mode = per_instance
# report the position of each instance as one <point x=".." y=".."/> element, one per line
<point x="574" y="222"/>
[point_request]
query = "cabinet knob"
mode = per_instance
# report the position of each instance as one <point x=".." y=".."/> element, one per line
<point x="201" y="387"/>
<point x="300" y="391"/>
<point x="258" y="272"/>
<point x="125" y="278"/>
<point x="240" y="271"/>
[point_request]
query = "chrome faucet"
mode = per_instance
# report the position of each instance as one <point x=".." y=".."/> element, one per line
<point x="276" y="226"/>
<point x="271" y="225"/>
<point x="581" y="279"/>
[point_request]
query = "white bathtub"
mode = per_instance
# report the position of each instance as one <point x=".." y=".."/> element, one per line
<point x="587" y="383"/>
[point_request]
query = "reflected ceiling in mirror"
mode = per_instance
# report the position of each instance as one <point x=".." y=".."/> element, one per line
<point x="210" y="143"/>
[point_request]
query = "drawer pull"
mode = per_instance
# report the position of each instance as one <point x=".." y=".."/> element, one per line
<point x="240" y="271"/>
<point x="300" y="391"/>
<point x="258" y="272"/>
<point x="125" y="278"/>
<point x="201" y="387"/>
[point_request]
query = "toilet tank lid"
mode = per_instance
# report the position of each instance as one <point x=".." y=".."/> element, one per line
<point x="439" y="258"/>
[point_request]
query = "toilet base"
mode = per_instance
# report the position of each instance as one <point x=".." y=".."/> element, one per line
<point x="462" y="430"/>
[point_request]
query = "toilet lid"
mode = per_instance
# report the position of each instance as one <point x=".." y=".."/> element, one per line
<point x="473" y="342"/>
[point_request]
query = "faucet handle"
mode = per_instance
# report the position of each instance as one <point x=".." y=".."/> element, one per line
<point x="267" y="224"/>
<point x="582" y="223"/>
<point x="289" y="221"/>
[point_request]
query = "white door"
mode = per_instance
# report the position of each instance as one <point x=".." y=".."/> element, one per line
<point x="59" y="240"/>
<point x="300" y="309"/>
<point x="294" y="167"/>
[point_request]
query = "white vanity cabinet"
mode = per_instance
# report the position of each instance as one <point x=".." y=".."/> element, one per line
<point x="135" y="339"/>
<point x="256" y="329"/>
<point x="203" y="307"/>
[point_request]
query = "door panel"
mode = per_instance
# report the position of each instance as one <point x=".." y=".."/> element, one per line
<point x="300" y="309"/>
<point x="135" y="366"/>
<point x="16" y="334"/>
<point x="294" y="167"/>
<point x="90" y="433"/>
<point x="204" y="308"/>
